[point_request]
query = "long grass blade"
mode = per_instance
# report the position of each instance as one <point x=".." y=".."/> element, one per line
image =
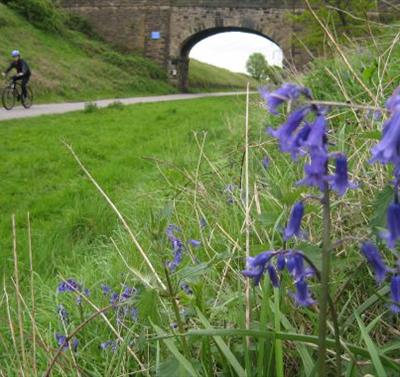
<point x="372" y="349"/>
<point x="174" y="350"/>
<point x="293" y="337"/>
<point x="223" y="346"/>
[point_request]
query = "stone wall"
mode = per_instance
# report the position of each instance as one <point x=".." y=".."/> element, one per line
<point x="165" y="30"/>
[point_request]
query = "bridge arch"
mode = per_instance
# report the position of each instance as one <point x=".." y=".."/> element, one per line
<point x="179" y="68"/>
<point x="163" y="30"/>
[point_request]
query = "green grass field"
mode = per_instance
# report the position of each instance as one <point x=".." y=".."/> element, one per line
<point x="120" y="146"/>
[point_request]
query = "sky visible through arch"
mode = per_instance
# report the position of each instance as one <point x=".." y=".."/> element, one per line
<point x="231" y="50"/>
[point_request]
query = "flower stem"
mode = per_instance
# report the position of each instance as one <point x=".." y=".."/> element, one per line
<point x="175" y="307"/>
<point x="324" y="291"/>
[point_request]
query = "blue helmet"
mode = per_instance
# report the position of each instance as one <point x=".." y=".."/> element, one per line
<point x="15" y="53"/>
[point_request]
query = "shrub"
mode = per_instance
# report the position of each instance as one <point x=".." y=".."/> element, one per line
<point x="76" y="22"/>
<point x="90" y="107"/>
<point x="41" y="13"/>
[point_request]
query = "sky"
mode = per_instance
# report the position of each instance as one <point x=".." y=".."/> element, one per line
<point x="231" y="50"/>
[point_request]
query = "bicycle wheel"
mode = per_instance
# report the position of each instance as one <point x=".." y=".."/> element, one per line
<point x="8" y="98"/>
<point x="28" y="100"/>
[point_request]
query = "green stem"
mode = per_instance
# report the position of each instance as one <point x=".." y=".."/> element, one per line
<point x="278" y="342"/>
<point x="177" y="314"/>
<point x="335" y="321"/>
<point x="324" y="291"/>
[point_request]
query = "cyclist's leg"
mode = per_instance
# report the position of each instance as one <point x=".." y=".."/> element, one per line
<point x="24" y="82"/>
<point x="14" y="80"/>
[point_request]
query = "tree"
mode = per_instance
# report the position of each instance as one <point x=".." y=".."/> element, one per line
<point x="259" y="69"/>
<point x="257" y="66"/>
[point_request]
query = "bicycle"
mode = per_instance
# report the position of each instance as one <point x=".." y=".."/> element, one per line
<point x="12" y="92"/>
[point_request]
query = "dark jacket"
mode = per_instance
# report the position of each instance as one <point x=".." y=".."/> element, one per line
<point x="21" y="66"/>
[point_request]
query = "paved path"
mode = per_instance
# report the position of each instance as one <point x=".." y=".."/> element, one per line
<point x="61" y="108"/>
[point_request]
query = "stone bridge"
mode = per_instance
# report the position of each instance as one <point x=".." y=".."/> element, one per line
<point x="166" y="30"/>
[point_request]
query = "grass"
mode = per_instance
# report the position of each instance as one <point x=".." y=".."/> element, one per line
<point x="121" y="147"/>
<point x="76" y="235"/>
<point x="71" y="66"/>
<point x="205" y="77"/>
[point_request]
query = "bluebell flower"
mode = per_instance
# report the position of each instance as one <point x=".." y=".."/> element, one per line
<point x="109" y="344"/>
<point x="309" y="272"/>
<point x="127" y="312"/>
<point x="62" y="341"/>
<point x="106" y="289"/>
<point x="185" y="287"/>
<point x="195" y="243"/>
<point x="281" y="262"/>
<point x="171" y="230"/>
<point x="302" y="296"/>
<point x="285" y="93"/>
<point x="315" y="171"/>
<point x="134" y="313"/>
<point x="69" y="285"/>
<point x="395" y="294"/>
<point x="393" y="224"/>
<point x="273" y="276"/>
<point x="340" y="181"/>
<point x="375" y="115"/>
<point x="86" y="292"/>
<point x="256" y="266"/>
<point x="114" y="298"/>
<point x="266" y="162"/>
<point x="393" y="103"/>
<point x="388" y="149"/>
<point x="177" y="246"/>
<point x="296" y="147"/>
<point x="371" y="253"/>
<point x="75" y="344"/>
<point x="294" y="224"/>
<point x="62" y="312"/>
<point x="295" y="264"/>
<point x="317" y="136"/>
<point x="127" y="293"/>
<point x="203" y="223"/>
<point x="286" y="132"/>
<point x="172" y="265"/>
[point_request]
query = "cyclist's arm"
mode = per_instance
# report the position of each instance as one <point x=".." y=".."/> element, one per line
<point x="10" y="67"/>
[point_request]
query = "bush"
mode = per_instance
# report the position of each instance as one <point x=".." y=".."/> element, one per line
<point x="76" y="22"/>
<point x="90" y="107"/>
<point x="41" y="13"/>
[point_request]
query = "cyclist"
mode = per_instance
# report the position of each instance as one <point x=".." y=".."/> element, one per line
<point x="23" y="71"/>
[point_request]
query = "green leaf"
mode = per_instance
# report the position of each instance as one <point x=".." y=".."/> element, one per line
<point x="372" y="349"/>
<point x="191" y="273"/>
<point x="170" y="343"/>
<point x="368" y="72"/>
<point x="223" y="347"/>
<point x="294" y="337"/>
<point x="170" y="367"/>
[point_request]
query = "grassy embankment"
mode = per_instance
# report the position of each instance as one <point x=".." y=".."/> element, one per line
<point x="183" y="182"/>
<point x="71" y="66"/>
